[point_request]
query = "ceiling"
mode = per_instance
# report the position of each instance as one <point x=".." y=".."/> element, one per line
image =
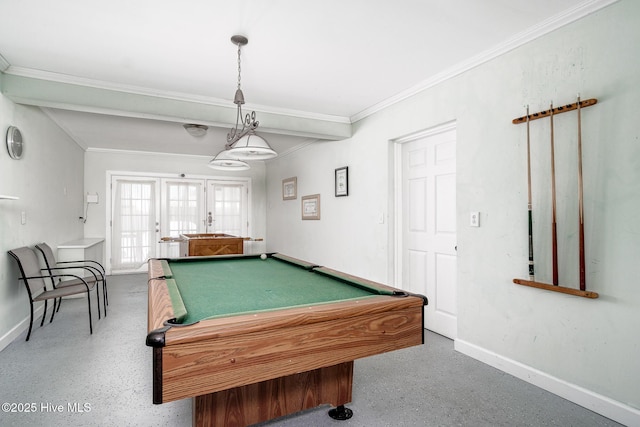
<point x="125" y="75"/>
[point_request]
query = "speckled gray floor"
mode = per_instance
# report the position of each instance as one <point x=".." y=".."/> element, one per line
<point x="65" y="377"/>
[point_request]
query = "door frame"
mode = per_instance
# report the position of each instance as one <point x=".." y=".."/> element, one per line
<point x="396" y="192"/>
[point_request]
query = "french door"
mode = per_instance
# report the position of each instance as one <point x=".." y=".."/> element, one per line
<point x="182" y="211"/>
<point x="226" y="207"/>
<point x="134" y="223"/>
<point x="148" y="213"/>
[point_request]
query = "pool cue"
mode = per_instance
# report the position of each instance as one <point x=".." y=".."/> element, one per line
<point x="554" y="234"/>
<point x="581" y="204"/>
<point x="529" y="205"/>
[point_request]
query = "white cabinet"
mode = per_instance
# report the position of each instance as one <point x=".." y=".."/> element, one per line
<point x="91" y="248"/>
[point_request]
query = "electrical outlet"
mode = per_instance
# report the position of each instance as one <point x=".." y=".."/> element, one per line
<point x="474" y="219"/>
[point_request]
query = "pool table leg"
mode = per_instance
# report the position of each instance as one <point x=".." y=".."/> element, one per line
<point x="341" y="413"/>
<point x="255" y="403"/>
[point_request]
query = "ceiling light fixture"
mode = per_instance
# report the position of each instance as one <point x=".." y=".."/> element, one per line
<point x="195" y="130"/>
<point x="243" y="143"/>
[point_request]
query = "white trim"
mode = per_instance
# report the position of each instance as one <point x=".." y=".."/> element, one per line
<point x="580" y="11"/>
<point x="595" y="402"/>
<point x="21" y="327"/>
<point x="4" y="64"/>
<point x="435" y="130"/>
<point x="397" y="208"/>
<point x="148" y="153"/>
<point x="295" y="148"/>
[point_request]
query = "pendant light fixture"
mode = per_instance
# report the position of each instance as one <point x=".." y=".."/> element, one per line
<point x="243" y="143"/>
<point x="223" y="161"/>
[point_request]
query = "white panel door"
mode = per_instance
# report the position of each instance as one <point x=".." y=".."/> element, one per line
<point x="429" y="226"/>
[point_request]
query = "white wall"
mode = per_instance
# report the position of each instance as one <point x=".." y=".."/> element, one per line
<point x="329" y="241"/>
<point x="49" y="183"/>
<point x="586" y="350"/>
<point x="97" y="163"/>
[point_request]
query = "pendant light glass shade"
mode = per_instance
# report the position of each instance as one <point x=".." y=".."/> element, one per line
<point x="224" y="161"/>
<point x="242" y="141"/>
<point x="252" y="147"/>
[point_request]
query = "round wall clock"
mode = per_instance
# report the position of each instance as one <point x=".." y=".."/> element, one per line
<point x="15" y="144"/>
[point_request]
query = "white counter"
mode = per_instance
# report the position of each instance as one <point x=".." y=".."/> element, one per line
<point x="90" y="248"/>
<point x="84" y="243"/>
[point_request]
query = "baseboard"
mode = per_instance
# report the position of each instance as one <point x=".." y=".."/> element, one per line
<point x="595" y="402"/>
<point x="21" y="327"/>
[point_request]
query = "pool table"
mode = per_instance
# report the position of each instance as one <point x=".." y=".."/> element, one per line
<point x="253" y="338"/>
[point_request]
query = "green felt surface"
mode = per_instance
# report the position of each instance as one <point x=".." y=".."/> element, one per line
<point x="214" y="288"/>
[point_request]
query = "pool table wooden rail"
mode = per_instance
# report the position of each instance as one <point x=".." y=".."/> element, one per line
<point x="235" y="351"/>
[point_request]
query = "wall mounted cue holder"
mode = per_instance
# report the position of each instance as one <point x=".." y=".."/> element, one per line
<point x="556" y="110"/>
<point x="554" y="288"/>
<point x="542" y="114"/>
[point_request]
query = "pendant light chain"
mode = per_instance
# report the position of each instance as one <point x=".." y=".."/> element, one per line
<point x="242" y="143"/>
<point x="239" y="69"/>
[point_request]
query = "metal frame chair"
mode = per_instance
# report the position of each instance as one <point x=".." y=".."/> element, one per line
<point x="37" y="288"/>
<point x="94" y="267"/>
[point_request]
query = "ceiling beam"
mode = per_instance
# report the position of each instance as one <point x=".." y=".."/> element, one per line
<point x="103" y="100"/>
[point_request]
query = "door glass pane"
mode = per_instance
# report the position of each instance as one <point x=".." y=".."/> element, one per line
<point x="183" y="208"/>
<point x="134" y="224"/>
<point x="228" y="203"/>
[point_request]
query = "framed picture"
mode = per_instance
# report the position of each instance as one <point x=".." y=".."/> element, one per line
<point x="290" y="188"/>
<point x="342" y="181"/>
<point x="311" y="207"/>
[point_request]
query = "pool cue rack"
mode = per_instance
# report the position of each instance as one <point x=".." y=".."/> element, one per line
<point x="556" y="288"/>
<point x="556" y="111"/>
<point x="527" y="119"/>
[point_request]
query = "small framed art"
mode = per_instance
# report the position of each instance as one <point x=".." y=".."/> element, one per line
<point x="342" y="181"/>
<point x="311" y="207"/>
<point x="290" y="188"/>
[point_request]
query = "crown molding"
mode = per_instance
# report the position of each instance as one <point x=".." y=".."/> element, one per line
<point x="4" y="64"/>
<point x="293" y="149"/>
<point x="555" y="22"/>
<point x="147" y="153"/>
